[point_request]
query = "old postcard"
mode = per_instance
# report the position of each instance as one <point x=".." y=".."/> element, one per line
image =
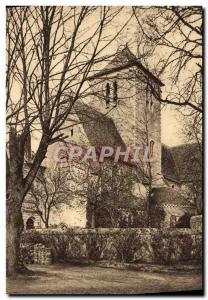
<point x="104" y="149"/>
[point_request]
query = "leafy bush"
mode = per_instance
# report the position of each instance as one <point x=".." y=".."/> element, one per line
<point x="197" y="249"/>
<point x="57" y="241"/>
<point x="32" y="237"/>
<point x="124" y="245"/>
<point x="162" y="247"/>
<point x="182" y="245"/>
<point x="171" y="248"/>
<point x="96" y="243"/>
<point x="157" y="216"/>
<point x="127" y="243"/>
<point x="26" y="253"/>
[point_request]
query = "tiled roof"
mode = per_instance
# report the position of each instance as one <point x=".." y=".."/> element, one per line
<point x="123" y="59"/>
<point x="167" y="196"/>
<point x="99" y="128"/>
<point x="182" y="163"/>
<point x="169" y="169"/>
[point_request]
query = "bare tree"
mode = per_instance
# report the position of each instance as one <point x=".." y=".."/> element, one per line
<point x="86" y="186"/>
<point x="177" y="33"/>
<point x="49" y="191"/>
<point x="147" y="166"/>
<point x="192" y="129"/>
<point x="171" y="38"/>
<point x="192" y="178"/>
<point x="109" y="194"/>
<point x="105" y="189"/>
<point x="50" y="53"/>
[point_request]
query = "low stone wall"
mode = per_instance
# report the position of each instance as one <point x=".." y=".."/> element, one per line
<point x="36" y="253"/>
<point x="196" y="224"/>
<point x="42" y="254"/>
<point x="146" y="245"/>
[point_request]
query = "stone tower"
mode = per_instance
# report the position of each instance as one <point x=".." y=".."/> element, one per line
<point x="127" y="92"/>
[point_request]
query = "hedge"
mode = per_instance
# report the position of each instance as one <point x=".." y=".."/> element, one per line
<point x="146" y="245"/>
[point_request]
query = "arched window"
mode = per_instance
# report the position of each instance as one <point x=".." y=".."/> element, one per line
<point x="107" y="99"/>
<point x="149" y="98"/>
<point x="115" y="93"/>
<point x="151" y="148"/>
<point x="147" y="95"/>
<point x="30" y="223"/>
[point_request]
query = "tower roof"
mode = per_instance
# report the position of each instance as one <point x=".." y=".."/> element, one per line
<point x="124" y="59"/>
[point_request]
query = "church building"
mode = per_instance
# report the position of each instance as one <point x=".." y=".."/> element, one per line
<point x="123" y="109"/>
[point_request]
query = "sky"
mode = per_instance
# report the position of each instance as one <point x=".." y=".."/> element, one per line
<point x="171" y="127"/>
<point x="170" y="124"/>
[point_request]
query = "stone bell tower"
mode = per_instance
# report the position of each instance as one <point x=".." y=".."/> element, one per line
<point x="127" y="92"/>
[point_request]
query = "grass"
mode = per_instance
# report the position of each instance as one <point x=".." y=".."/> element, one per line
<point x="72" y="279"/>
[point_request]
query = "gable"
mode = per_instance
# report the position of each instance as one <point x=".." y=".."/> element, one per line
<point x="124" y="59"/>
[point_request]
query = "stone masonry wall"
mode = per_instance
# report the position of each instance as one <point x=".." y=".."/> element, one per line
<point x="131" y="115"/>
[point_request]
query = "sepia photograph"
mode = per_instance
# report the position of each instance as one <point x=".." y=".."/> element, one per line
<point x="104" y="150"/>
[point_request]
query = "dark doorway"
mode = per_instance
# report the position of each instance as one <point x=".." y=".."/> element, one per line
<point x="30" y="223"/>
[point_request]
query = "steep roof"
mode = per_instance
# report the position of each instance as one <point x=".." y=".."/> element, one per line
<point x="169" y="169"/>
<point x="182" y="163"/>
<point x="99" y="128"/>
<point x="124" y="59"/>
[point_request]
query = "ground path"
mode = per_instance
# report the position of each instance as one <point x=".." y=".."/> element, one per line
<point x="69" y="279"/>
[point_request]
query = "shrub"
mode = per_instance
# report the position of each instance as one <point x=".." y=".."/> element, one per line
<point x="162" y="247"/>
<point x="96" y="243"/>
<point x="26" y="253"/>
<point x="169" y="247"/>
<point x="57" y="241"/>
<point x="197" y="249"/>
<point x="157" y="216"/>
<point x="124" y="245"/>
<point x="182" y="245"/>
<point x="77" y="246"/>
<point x="127" y="243"/>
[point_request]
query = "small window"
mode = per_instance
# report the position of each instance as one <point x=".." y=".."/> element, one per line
<point x="149" y="98"/>
<point x="147" y="95"/>
<point x="30" y="223"/>
<point x="173" y="220"/>
<point x="147" y="103"/>
<point x="72" y="131"/>
<point x="151" y="148"/>
<point x="107" y="99"/>
<point x="115" y="93"/>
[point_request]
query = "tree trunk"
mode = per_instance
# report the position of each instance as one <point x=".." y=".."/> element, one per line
<point x="14" y="228"/>
<point x="148" y="208"/>
<point x="17" y="188"/>
<point x="46" y="224"/>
